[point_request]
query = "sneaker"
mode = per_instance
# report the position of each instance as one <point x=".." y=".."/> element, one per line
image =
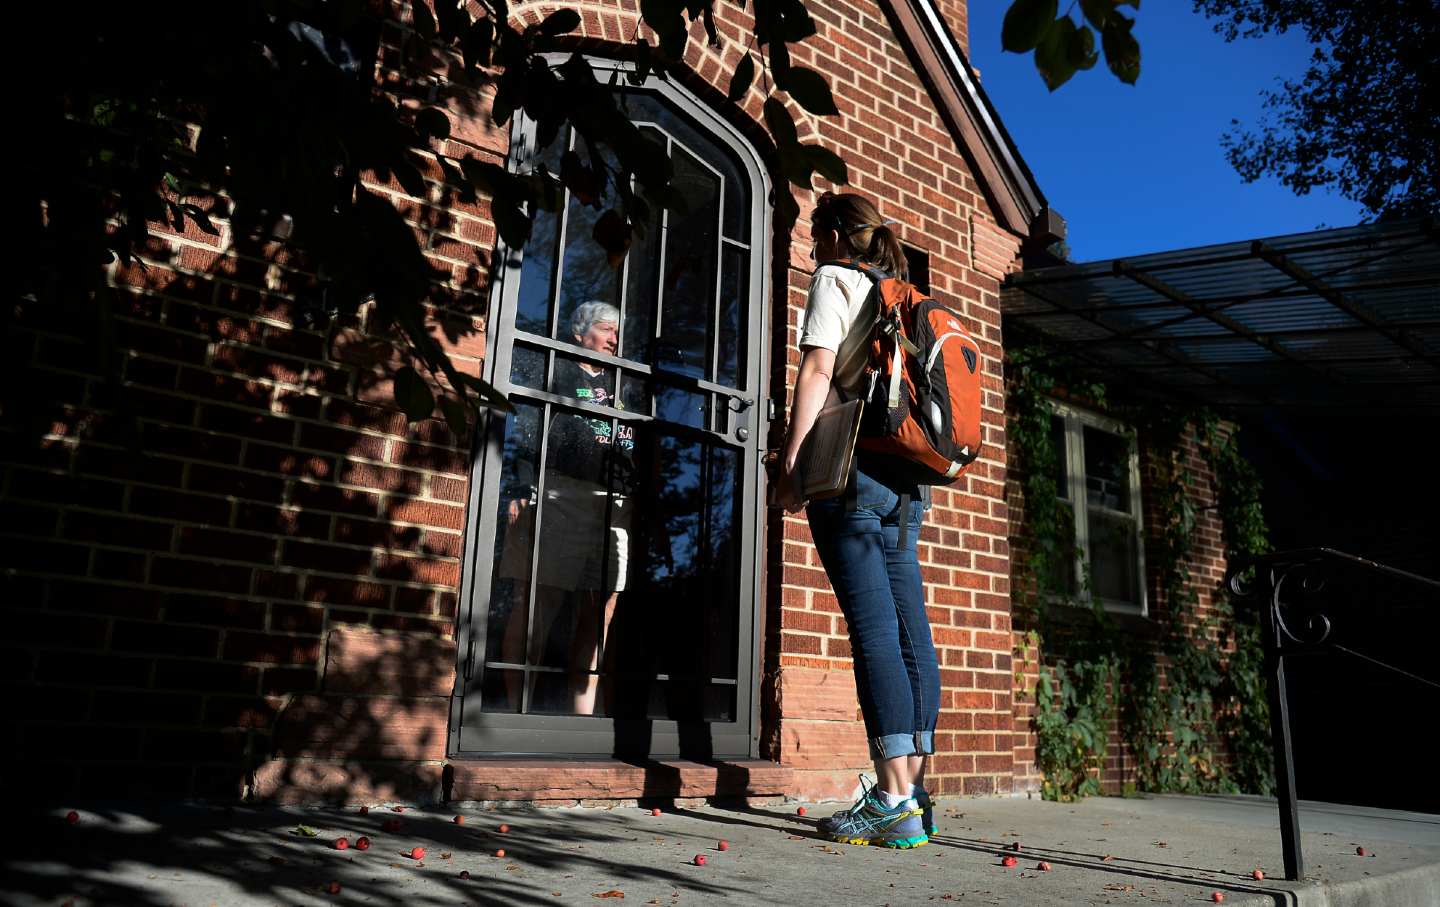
<point x="871" y="822"/>
<point x="927" y="810"/>
<point x="828" y="825"/>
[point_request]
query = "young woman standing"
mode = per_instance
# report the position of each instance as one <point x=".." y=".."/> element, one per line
<point x="866" y="537"/>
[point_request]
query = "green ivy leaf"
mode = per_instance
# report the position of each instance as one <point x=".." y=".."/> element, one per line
<point x="413" y="395"/>
<point x="1081" y="44"/>
<point x="1026" y="23"/>
<point x="740" y="81"/>
<point x="809" y="89"/>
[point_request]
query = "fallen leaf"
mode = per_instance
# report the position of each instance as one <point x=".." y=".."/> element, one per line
<point x="305" y="831"/>
<point x="1161" y="844"/>
<point x="612" y="893"/>
<point x="796" y="837"/>
<point x="1106" y="859"/>
<point x="445" y="856"/>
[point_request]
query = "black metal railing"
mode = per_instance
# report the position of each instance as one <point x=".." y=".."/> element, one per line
<point x="1291" y="625"/>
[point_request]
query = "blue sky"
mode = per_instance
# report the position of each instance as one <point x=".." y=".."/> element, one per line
<point x="1140" y="168"/>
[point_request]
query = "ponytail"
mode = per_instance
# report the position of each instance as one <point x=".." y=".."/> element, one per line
<point x="870" y="236"/>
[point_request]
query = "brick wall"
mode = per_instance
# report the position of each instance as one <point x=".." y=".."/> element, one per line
<point x="1207" y="565"/>
<point x="184" y="620"/>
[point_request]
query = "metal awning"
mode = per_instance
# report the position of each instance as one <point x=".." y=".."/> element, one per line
<point x="1344" y="317"/>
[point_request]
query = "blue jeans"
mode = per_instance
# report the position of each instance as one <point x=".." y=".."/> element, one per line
<point x="877" y="581"/>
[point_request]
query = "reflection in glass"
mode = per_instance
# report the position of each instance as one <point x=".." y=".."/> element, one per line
<point x="514" y="537"/>
<point x="635" y="394"/>
<point x="537" y="274"/>
<point x="527" y="367"/>
<point x="642" y="280"/>
<point x="683" y="407"/>
<point x="1113" y="557"/>
<point x="1061" y="473"/>
<point x="734" y="295"/>
<point x="583" y="380"/>
<point x="648" y="107"/>
<point x="1107" y="470"/>
<point x="688" y="285"/>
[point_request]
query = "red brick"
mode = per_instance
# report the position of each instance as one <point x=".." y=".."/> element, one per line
<point x="197" y="574"/>
<point x="331" y="558"/>
<point x="234" y="483"/>
<point x="272" y="649"/>
<point x="289" y="461"/>
<point x="163" y="639"/>
<point x="278" y="521"/>
<point x="419" y="570"/>
<point x="104" y="598"/>
<point x="340" y="441"/>
<point x="359" y="661"/>
<point x="134" y="707"/>
<point x="194" y="508"/>
<point x="364" y="727"/>
<point x="205" y="676"/>
<point x="234" y="546"/>
<point x="426" y="512"/>
<point x="92" y="669"/>
<point x="215" y="611"/>
<point x="23" y="625"/>
<point x="297" y="618"/>
<point x="343" y="591"/>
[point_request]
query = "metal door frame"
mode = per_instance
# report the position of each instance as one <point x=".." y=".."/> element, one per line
<point x="578" y="737"/>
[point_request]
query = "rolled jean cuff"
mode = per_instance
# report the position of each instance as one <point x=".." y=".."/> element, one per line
<point x="892" y="745"/>
<point x="924" y="743"/>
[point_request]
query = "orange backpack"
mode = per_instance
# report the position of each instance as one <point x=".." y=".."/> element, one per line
<point x="922" y="409"/>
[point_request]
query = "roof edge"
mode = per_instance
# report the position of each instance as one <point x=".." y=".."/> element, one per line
<point x="1004" y="178"/>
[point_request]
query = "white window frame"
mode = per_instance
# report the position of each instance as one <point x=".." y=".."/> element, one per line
<point x="1075" y="421"/>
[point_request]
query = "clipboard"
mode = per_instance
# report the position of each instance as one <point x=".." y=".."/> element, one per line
<point x="823" y="465"/>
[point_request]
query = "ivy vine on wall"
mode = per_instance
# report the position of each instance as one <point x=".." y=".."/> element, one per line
<point x="1175" y="693"/>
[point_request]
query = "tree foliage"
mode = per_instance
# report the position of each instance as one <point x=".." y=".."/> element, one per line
<point x="1065" y="44"/>
<point x="1364" y="119"/>
<point x="274" y="120"/>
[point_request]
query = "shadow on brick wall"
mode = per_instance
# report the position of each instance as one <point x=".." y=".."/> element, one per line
<point x="220" y="536"/>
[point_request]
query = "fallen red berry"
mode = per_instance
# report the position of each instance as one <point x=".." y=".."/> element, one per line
<point x="459" y="820"/>
<point x="364" y="809"/>
<point x="655" y="811"/>
<point x="417" y="854"/>
<point x="1360" y="851"/>
<point x="398" y="809"/>
<point x="500" y="852"/>
<point x="1009" y="861"/>
<point x="1217" y="896"/>
<point x="1043" y="866"/>
<point x="504" y="829"/>
<point x="342" y="843"/>
<point x="800" y="811"/>
<point x="1014" y="845"/>
<point x="393" y="825"/>
<point x="362" y="843"/>
<point x="333" y="887"/>
<point x="723" y="845"/>
<point x="72" y="817"/>
<point x="464" y="873"/>
<point x="1258" y="876"/>
<point x="699" y="859"/>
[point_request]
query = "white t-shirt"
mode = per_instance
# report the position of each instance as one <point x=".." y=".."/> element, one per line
<point x="840" y="300"/>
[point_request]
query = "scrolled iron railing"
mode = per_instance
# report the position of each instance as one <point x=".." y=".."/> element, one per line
<point x="1282" y="584"/>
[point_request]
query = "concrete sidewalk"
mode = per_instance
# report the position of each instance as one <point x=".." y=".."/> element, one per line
<point x="1159" y="850"/>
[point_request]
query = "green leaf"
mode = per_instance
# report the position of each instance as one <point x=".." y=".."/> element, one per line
<point x="424" y="22"/>
<point x="433" y="122"/>
<point x="201" y="219"/>
<point x="305" y="831"/>
<point x="560" y="22"/>
<point x="1097" y="11"/>
<point x="1052" y="57"/>
<point x="740" y="81"/>
<point x="1122" y="51"/>
<point x="809" y="88"/>
<point x="413" y="395"/>
<point x="1026" y="23"/>
<point x="828" y="164"/>
<point x="1081" y="46"/>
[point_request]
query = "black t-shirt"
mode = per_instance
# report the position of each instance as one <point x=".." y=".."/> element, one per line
<point x="582" y="446"/>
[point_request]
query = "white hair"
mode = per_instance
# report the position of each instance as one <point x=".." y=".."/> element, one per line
<point x="588" y="314"/>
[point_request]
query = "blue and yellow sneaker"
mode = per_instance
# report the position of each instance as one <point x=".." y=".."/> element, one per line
<point x="870" y="821"/>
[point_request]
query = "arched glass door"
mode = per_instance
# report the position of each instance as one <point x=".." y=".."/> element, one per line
<point x="612" y="574"/>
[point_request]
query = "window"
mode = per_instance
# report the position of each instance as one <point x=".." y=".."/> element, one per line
<point x="611" y="598"/>
<point x="918" y="262"/>
<point x="1097" y="475"/>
